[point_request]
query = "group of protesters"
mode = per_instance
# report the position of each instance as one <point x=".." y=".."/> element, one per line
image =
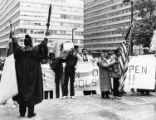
<point x="64" y="74"/>
<point x="28" y="61"/>
<point x="109" y="68"/>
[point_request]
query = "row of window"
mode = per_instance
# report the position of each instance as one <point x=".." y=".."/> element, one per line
<point x="6" y="36"/>
<point x="71" y="25"/>
<point x="106" y="33"/>
<point x="58" y="16"/>
<point x="107" y="21"/>
<point x="103" y="45"/>
<point x="104" y="10"/>
<point x="8" y="4"/>
<point x="106" y="16"/>
<point x="110" y="39"/>
<point x="7" y="28"/>
<point x="54" y="24"/>
<point x="51" y="32"/>
<point x="71" y="17"/>
<point x="4" y="17"/>
<point x="54" y="7"/>
<point x="99" y="4"/>
<point x="99" y="29"/>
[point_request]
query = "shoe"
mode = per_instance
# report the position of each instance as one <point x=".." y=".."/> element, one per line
<point x="73" y="97"/>
<point x="108" y="97"/>
<point x="22" y="116"/>
<point x="102" y="96"/>
<point x="64" y="97"/>
<point x="31" y="115"/>
<point x="117" y="98"/>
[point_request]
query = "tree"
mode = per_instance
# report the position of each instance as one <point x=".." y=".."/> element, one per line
<point x="142" y="31"/>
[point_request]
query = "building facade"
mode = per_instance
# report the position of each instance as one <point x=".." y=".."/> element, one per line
<point x="105" y="23"/>
<point x="30" y="17"/>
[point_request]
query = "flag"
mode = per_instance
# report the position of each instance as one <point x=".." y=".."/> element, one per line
<point x="48" y="21"/>
<point x="8" y="84"/>
<point x="123" y="61"/>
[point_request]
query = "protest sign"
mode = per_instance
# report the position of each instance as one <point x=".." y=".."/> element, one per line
<point x="8" y="84"/>
<point x="86" y="78"/>
<point x="141" y="73"/>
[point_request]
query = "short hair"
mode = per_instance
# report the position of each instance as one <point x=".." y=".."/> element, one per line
<point x="83" y="49"/>
<point x="27" y="36"/>
<point x="76" y="46"/>
<point x="45" y="38"/>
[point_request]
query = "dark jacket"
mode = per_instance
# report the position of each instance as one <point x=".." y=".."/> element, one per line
<point x="116" y="70"/>
<point x="56" y="65"/>
<point x="29" y="73"/>
<point x="71" y="61"/>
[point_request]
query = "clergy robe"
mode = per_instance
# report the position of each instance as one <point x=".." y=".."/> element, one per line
<point x="29" y="73"/>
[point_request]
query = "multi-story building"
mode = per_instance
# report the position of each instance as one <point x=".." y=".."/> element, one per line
<point x="30" y="17"/>
<point x="105" y="23"/>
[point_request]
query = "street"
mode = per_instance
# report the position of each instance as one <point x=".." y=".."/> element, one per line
<point x="90" y="108"/>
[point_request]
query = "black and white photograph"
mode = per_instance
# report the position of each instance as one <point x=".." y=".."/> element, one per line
<point x="77" y="59"/>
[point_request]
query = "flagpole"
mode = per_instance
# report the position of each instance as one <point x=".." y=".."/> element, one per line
<point x="9" y="51"/>
<point x="10" y="30"/>
<point x="48" y="21"/>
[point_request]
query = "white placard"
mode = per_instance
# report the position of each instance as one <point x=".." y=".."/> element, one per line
<point x="141" y="72"/>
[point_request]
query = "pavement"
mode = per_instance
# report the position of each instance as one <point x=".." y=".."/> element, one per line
<point x="89" y="108"/>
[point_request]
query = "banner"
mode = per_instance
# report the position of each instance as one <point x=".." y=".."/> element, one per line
<point x="141" y="73"/>
<point x="86" y="78"/>
<point x="8" y="84"/>
<point x="48" y="77"/>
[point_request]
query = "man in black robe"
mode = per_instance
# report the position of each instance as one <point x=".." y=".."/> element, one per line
<point x="29" y="74"/>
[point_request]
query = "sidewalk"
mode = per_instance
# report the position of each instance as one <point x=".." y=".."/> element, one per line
<point x="90" y="108"/>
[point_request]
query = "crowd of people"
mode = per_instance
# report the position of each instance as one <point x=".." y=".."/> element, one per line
<point x="109" y="68"/>
<point x="28" y="61"/>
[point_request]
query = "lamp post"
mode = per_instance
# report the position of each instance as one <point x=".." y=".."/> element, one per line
<point x="73" y="34"/>
<point x="131" y="41"/>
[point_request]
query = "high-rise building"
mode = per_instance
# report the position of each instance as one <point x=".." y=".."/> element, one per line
<point x="105" y="23"/>
<point x="30" y="17"/>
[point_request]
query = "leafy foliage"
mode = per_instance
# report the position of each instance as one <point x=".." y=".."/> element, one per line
<point x="143" y="29"/>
